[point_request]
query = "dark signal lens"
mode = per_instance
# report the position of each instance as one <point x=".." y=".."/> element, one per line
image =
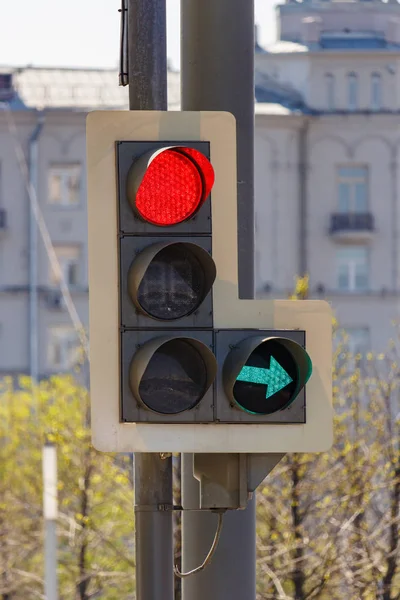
<point x="175" y="379"/>
<point x="169" y="281"/>
<point x="173" y="285"/>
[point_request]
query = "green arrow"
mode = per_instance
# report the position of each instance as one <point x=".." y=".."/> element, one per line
<point x="275" y="378"/>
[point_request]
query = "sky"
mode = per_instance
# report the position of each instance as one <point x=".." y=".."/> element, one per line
<point x="85" y="33"/>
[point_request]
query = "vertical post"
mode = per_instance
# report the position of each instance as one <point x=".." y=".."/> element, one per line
<point x="50" y="519"/>
<point x="303" y="184"/>
<point x="153" y="527"/>
<point x="33" y="254"/>
<point x="231" y="575"/>
<point x="147" y="54"/>
<point x="217" y="66"/>
<point x="217" y="70"/>
<point x="147" y="67"/>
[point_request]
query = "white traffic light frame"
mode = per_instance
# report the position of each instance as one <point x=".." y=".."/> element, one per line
<point x="104" y="129"/>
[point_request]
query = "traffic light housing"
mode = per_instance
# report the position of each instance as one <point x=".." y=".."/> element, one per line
<point x="166" y="276"/>
<point x="178" y="362"/>
<point x="263" y="376"/>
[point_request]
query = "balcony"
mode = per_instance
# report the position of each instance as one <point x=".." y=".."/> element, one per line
<point x="352" y="227"/>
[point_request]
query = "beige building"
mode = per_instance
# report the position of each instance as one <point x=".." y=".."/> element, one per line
<point x="327" y="161"/>
<point x="327" y="178"/>
<point x="46" y="123"/>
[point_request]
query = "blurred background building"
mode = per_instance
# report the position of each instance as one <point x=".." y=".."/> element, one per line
<point x="327" y="161"/>
<point x="327" y="179"/>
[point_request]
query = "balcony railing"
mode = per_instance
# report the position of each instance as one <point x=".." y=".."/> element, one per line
<point x="351" y="222"/>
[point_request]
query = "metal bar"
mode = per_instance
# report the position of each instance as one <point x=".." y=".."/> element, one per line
<point x="303" y="184"/>
<point x="50" y="560"/>
<point x="33" y="254"/>
<point x="153" y="527"/>
<point x="217" y="69"/>
<point x="147" y="54"/>
<point x="231" y="575"/>
<point x="217" y="73"/>
<point x="50" y="513"/>
<point x="147" y="66"/>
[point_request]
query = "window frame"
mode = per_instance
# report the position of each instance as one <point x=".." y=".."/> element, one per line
<point x="330" y="91"/>
<point x="65" y="263"/>
<point x="57" y="168"/>
<point x="63" y="335"/>
<point x="354" y="346"/>
<point x="352" y="90"/>
<point x="376" y="78"/>
<point x="351" y="182"/>
<point x="351" y="269"/>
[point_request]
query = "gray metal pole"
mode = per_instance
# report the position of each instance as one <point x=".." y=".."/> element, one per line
<point x="50" y="560"/>
<point x="147" y="54"/>
<point x="147" y="65"/>
<point x="33" y="254"/>
<point x="50" y="513"/>
<point x="153" y="527"/>
<point x="231" y="574"/>
<point x="217" y="65"/>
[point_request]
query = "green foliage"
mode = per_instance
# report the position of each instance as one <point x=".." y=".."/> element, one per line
<point x="95" y="524"/>
<point x="328" y="524"/>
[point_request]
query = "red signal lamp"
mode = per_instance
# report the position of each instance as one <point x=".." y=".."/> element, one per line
<point x="168" y="186"/>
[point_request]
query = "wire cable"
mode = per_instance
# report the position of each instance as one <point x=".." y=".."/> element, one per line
<point x="123" y="47"/>
<point x="210" y="554"/>
<point x="44" y="232"/>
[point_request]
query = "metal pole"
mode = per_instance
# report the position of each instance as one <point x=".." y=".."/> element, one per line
<point x="147" y="54"/>
<point x="231" y="575"/>
<point x="153" y="527"/>
<point x="50" y="510"/>
<point x="147" y="66"/>
<point x="217" y="66"/>
<point x="33" y="254"/>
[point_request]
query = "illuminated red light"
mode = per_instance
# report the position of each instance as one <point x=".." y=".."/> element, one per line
<point x="175" y="184"/>
<point x="205" y="168"/>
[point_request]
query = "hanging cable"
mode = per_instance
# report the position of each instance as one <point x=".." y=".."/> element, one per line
<point x="211" y="553"/>
<point x="44" y="232"/>
<point x="123" y="47"/>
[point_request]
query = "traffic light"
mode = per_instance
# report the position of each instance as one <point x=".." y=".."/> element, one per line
<point x="166" y="278"/>
<point x="178" y="362"/>
<point x="263" y="376"/>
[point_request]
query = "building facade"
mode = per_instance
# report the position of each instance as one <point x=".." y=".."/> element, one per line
<point x="327" y="177"/>
<point x="327" y="162"/>
<point x="43" y="146"/>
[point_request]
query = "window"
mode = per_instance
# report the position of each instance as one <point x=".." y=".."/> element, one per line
<point x="330" y="91"/>
<point x="63" y="351"/>
<point x="353" y="189"/>
<point x="64" y="184"/>
<point x="376" y="91"/>
<point x="358" y="340"/>
<point x="352" y="91"/>
<point x="68" y="258"/>
<point x="352" y="269"/>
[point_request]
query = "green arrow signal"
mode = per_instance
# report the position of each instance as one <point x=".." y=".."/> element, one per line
<point x="275" y="378"/>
